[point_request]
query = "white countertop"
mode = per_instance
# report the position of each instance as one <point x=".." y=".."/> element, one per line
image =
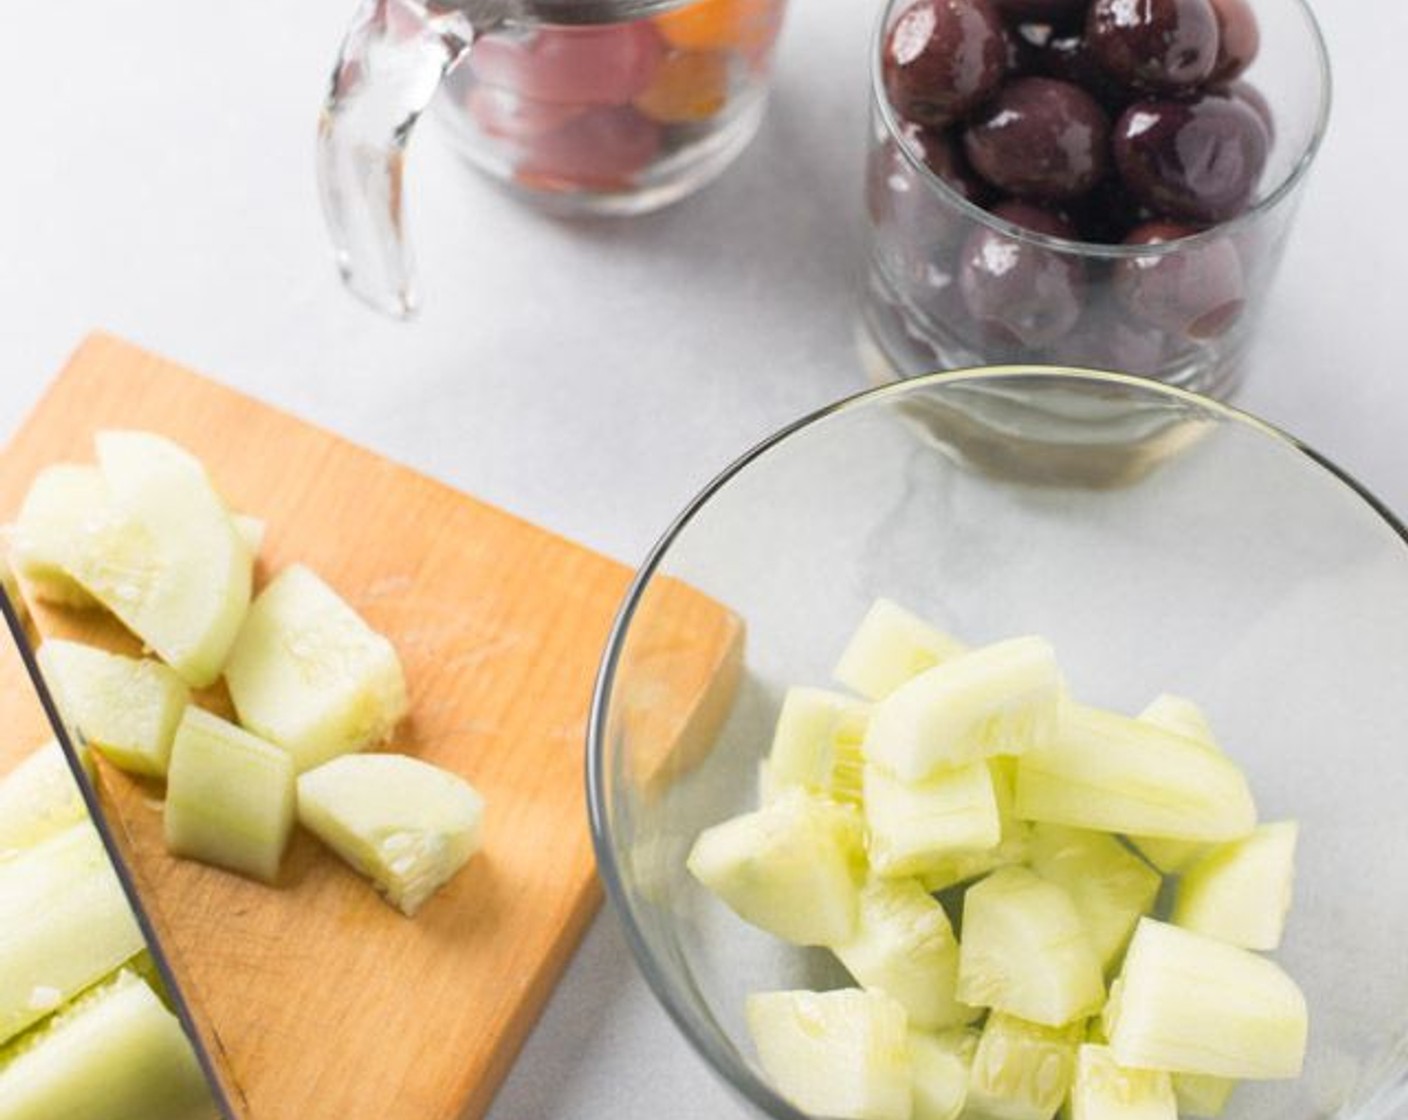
<point x="157" y="181"/>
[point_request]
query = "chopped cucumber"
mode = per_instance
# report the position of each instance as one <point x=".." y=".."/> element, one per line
<point x="115" y="1054"/>
<point x="842" y="1054"/>
<point x="405" y="824"/>
<point x="1107" y="772"/>
<point x="816" y="745"/>
<point x="229" y="797"/>
<point x="1241" y="892"/>
<point x="1021" y="1070"/>
<point x="38" y="799"/>
<point x="955" y="868"/>
<point x="789" y="868"/>
<point x="125" y="708"/>
<point x="1183" y="717"/>
<point x="912" y="825"/>
<point x="940" y="1065"/>
<point x="164" y="556"/>
<point x="307" y="673"/>
<point x="64" y="924"/>
<point x="904" y="946"/>
<point x="999" y="699"/>
<point x="1188" y="1003"/>
<point x="1110" y="886"/>
<point x="889" y="647"/>
<point x="1201" y="1095"/>
<point x="1025" y="951"/>
<point x="60" y="502"/>
<point x="1104" y="1090"/>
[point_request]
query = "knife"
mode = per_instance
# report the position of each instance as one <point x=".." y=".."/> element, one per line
<point x="15" y="622"/>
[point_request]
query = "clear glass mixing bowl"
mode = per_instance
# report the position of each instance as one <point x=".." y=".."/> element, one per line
<point x="1161" y="541"/>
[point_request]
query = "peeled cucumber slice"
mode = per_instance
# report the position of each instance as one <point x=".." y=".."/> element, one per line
<point x="307" y="673"/>
<point x="38" y="799"/>
<point x="1188" y="1003"/>
<point x="904" y="946"/>
<point x="1104" y="1090"/>
<point x="841" y="1054"/>
<point x="124" y="707"/>
<point x="405" y="824"/>
<point x="890" y="646"/>
<point x="115" y="1054"/>
<point x="953" y="868"/>
<point x="816" y="745"/>
<point x="999" y="699"/>
<point x="64" y="925"/>
<point x="1025" y="951"/>
<point x="913" y="824"/>
<point x="164" y="556"/>
<point x="1110" y="886"/>
<point x="790" y="868"/>
<point x="1241" y="892"/>
<point x="61" y="502"/>
<point x="229" y="797"/>
<point x="940" y="1064"/>
<point x="1021" y="1070"/>
<point x="1200" y="1095"/>
<point x="1108" y="772"/>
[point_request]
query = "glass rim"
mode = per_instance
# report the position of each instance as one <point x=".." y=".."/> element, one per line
<point x="694" y="1022"/>
<point x="1284" y="190"/>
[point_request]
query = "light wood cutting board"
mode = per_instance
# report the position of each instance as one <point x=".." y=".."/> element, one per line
<point x="316" y="999"/>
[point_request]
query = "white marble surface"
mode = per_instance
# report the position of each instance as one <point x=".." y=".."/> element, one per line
<point x="156" y="180"/>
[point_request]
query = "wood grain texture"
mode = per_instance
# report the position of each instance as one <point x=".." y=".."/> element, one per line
<point x="316" y="998"/>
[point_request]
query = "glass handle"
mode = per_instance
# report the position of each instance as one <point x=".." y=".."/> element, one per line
<point x="390" y="66"/>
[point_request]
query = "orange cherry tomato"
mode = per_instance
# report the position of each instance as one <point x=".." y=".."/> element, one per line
<point x="689" y="86"/>
<point x="747" y="25"/>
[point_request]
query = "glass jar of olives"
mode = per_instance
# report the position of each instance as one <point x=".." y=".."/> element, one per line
<point x="1104" y="183"/>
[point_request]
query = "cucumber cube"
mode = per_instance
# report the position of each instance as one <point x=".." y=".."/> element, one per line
<point x="904" y="946"/>
<point x="115" y="1054"/>
<point x="1241" y="892"/>
<point x="164" y="555"/>
<point x="405" y="824"/>
<point x="842" y="1054"/>
<point x="1025" y="951"/>
<point x="1114" y="774"/>
<point x="64" y="924"/>
<point x="61" y="500"/>
<point x="1021" y="1070"/>
<point x="1188" y="1003"/>
<point x="889" y="647"/>
<point x="953" y="868"/>
<point x="1104" y="1090"/>
<point x="816" y="745"/>
<point x="789" y="868"/>
<point x="307" y="673"/>
<point x="1183" y="717"/>
<point x="229" y="797"/>
<point x="940" y="1064"/>
<point x="1111" y="887"/>
<point x="999" y="699"/>
<point x="914" y="824"/>
<point x="38" y="799"/>
<point x="125" y="708"/>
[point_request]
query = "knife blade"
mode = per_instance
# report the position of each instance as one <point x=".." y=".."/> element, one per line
<point x="182" y="1007"/>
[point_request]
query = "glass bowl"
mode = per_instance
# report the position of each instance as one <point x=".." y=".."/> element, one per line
<point x="1205" y="554"/>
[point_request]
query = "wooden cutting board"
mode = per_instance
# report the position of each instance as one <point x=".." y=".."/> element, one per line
<point x="316" y="999"/>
